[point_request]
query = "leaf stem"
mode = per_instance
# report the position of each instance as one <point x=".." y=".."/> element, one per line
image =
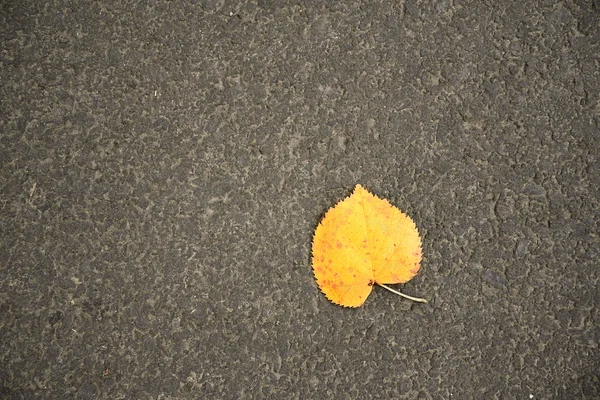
<point x="420" y="300"/>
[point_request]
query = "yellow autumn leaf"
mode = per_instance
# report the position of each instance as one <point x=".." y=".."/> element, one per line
<point x="361" y="241"/>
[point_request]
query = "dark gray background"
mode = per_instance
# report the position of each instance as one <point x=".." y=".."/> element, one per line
<point x="163" y="167"/>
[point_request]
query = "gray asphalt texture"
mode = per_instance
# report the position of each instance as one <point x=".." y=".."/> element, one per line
<point x="164" y="166"/>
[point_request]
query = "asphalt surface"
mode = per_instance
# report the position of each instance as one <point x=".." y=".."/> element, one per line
<point x="164" y="166"/>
